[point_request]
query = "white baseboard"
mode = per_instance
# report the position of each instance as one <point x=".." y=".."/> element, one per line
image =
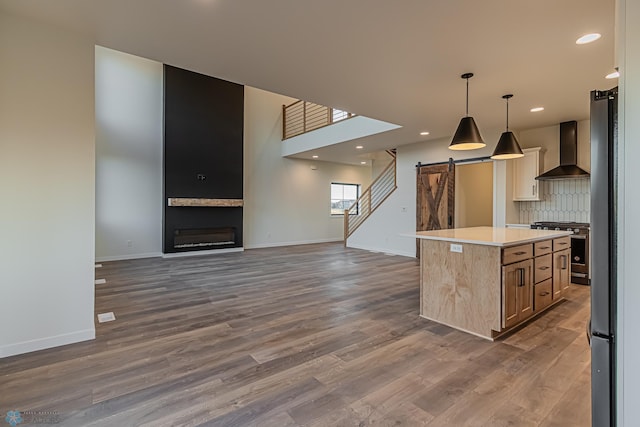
<point x="48" y="342"/>
<point x="381" y="250"/>
<point x="199" y="253"/>
<point x="129" y="256"/>
<point x="299" y="242"/>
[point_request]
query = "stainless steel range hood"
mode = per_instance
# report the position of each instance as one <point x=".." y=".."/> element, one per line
<point x="568" y="155"/>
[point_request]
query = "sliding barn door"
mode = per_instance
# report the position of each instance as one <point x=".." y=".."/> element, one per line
<point x="435" y="197"/>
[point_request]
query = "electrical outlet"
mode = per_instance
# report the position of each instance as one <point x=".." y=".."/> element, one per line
<point x="129" y="243"/>
<point x="403" y="209"/>
<point x="456" y="248"/>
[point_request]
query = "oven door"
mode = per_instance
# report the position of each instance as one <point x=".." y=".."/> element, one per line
<point x="580" y="259"/>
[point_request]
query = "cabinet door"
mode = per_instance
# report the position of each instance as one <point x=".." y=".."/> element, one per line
<point x="525" y="170"/>
<point x="517" y="292"/>
<point x="561" y="272"/>
<point x="525" y="291"/>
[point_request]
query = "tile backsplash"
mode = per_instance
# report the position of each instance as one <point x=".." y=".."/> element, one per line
<point x="562" y="200"/>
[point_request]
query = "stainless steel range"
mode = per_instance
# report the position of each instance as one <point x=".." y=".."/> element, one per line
<point x="579" y="247"/>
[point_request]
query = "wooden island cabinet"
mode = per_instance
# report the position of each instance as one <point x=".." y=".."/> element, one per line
<point x="487" y="280"/>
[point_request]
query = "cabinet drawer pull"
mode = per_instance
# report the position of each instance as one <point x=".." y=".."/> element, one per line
<point x="545" y="247"/>
<point x="544" y="294"/>
<point x="562" y="243"/>
<point x="519" y="253"/>
<point x="544" y="267"/>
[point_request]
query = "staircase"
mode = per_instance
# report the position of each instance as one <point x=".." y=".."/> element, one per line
<point x="371" y="198"/>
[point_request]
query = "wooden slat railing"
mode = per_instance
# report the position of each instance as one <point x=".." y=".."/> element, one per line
<point x="302" y="116"/>
<point x="371" y="199"/>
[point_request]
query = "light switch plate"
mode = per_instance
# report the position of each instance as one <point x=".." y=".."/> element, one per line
<point x="456" y="248"/>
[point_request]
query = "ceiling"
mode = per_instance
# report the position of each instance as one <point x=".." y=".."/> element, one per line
<point x="398" y="62"/>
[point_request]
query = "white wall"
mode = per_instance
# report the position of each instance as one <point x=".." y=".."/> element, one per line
<point x="129" y="93"/>
<point x="506" y="211"/>
<point x="397" y="215"/>
<point x="286" y="201"/>
<point x="628" y="375"/>
<point x="47" y="169"/>
<point x="379" y="161"/>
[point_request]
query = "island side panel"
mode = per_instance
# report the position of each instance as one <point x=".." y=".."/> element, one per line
<point x="462" y="290"/>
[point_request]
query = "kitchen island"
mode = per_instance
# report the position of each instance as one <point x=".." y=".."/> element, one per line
<point x="488" y="280"/>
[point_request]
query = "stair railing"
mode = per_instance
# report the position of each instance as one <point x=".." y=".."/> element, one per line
<point x="303" y="116"/>
<point x="371" y="198"/>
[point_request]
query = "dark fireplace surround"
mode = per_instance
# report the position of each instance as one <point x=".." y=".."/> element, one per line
<point x="203" y="162"/>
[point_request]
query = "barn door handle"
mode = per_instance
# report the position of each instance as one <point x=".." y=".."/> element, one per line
<point x="450" y="221"/>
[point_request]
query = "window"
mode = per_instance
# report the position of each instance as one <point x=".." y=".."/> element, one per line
<point x="338" y="115"/>
<point x="343" y="196"/>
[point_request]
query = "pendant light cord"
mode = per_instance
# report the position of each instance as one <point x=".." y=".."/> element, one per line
<point x="507" y="114"/>
<point x="467" y="97"/>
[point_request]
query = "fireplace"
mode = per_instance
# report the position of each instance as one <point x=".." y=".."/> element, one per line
<point x="203" y="162"/>
<point x="203" y="238"/>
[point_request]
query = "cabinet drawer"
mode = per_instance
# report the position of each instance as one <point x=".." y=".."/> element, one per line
<point x="542" y="268"/>
<point x="561" y="243"/>
<point x="517" y="253"/>
<point x="542" y="295"/>
<point x="542" y="248"/>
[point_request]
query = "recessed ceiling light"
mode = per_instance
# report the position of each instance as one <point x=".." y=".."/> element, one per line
<point x="536" y="109"/>
<point x="424" y="133"/>
<point x="359" y="147"/>
<point x="613" y="75"/>
<point x="363" y="163"/>
<point x="315" y="157"/>
<point x="588" y="38"/>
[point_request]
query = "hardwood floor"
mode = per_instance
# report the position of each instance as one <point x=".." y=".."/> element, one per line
<point x="314" y="335"/>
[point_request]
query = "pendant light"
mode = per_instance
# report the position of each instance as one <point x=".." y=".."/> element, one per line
<point x="467" y="136"/>
<point x="508" y="147"/>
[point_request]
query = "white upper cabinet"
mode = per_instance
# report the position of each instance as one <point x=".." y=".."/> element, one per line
<point x="525" y="170"/>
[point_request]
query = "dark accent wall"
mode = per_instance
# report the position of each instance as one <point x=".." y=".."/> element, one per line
<point x="203" y="155"/>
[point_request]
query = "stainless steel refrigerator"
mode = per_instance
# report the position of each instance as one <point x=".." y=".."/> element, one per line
<point x="604" y="138"/>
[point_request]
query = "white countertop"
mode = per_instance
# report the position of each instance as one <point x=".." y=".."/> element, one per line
<point x="490" y="236"/>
